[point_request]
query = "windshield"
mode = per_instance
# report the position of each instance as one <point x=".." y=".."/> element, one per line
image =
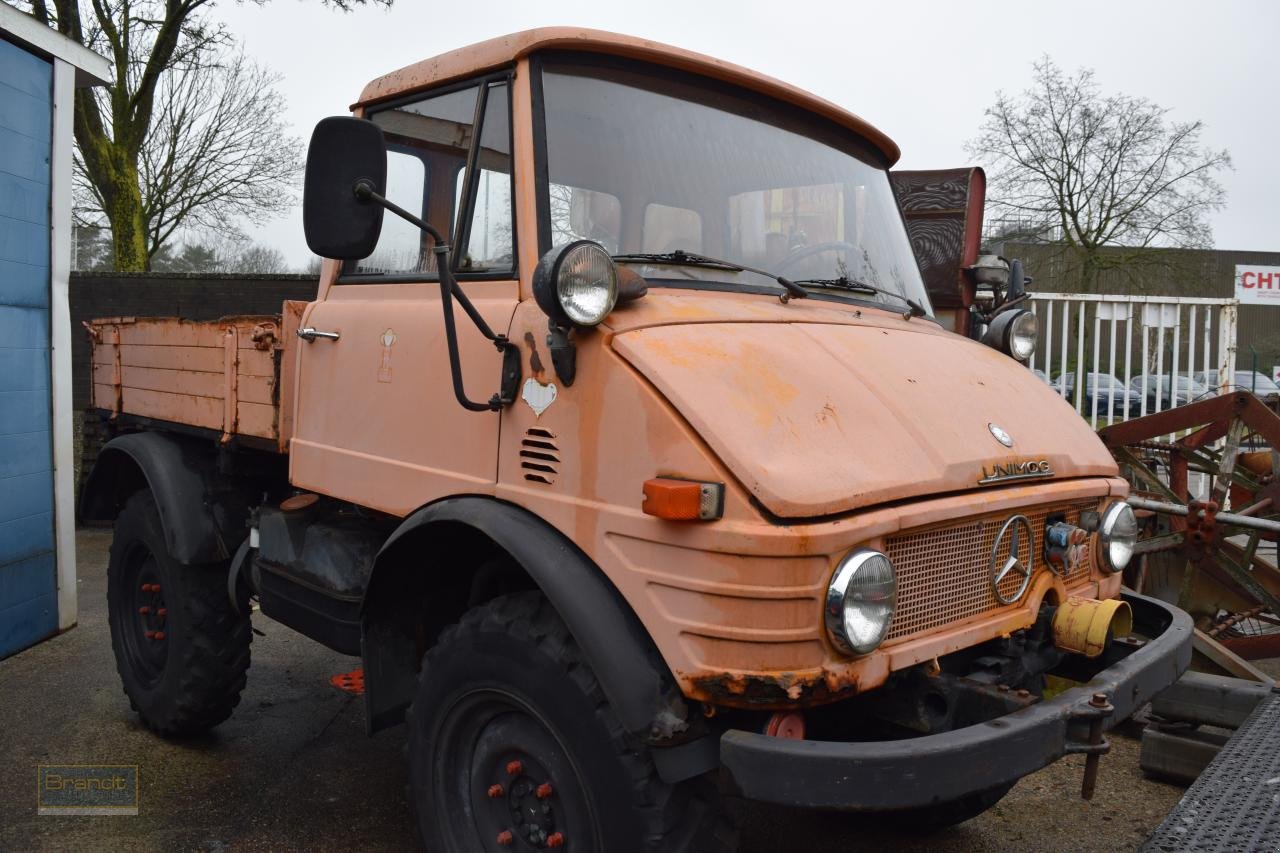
<point x="649" y="162"/>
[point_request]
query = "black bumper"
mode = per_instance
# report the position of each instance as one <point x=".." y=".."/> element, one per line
<point x="902" y="774"/>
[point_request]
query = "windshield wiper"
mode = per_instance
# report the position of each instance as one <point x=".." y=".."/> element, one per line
<point x="845" y="283"/>
<point x="688" y="259"/>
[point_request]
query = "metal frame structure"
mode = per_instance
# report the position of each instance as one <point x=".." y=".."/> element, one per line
<point x="1224" y="571"/>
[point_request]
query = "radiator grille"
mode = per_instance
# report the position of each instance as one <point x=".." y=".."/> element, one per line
<point x="540" y="456"/>
<point x="944" y="571"/>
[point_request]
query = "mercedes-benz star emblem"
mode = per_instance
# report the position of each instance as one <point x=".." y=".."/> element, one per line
<point x="1005" y="557"/>
<point x="1001" y="436"/>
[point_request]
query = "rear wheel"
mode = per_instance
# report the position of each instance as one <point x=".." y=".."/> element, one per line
<point x="513" y="746"/>
<point x="181" y="649"/>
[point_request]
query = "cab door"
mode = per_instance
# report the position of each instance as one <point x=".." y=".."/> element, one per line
<point x="376" y="420"/>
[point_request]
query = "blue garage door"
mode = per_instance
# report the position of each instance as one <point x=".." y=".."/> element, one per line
<point x="28" y="587"/>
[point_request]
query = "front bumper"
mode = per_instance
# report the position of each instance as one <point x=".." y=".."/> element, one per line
<point x="903" y="774"/>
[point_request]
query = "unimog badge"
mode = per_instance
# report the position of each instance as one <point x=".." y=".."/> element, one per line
<point x="1001" y="472"/>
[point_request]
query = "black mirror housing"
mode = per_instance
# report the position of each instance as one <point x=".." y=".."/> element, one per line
<point x="344" y="152"/>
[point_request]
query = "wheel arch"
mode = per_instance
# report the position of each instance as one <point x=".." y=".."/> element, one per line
<point x="630" y="669"/>
<point x="177" y="470"/>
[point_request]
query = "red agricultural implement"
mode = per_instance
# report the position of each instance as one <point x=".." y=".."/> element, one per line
<point x="1212" y="552"/>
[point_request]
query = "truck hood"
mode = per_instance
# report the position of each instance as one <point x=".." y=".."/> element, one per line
<point x="816" y="419"/>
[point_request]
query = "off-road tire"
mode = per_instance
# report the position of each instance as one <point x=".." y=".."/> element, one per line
<point x="506" y="685"/>
<point x="188" y="680"/>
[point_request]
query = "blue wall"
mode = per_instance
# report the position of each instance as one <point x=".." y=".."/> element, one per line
<point x="28" y="586"/>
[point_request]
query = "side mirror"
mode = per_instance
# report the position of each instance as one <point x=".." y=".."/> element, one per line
<point x="344" y="152"/>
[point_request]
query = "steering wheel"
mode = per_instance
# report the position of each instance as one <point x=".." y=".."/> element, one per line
<point x="808" y="251"/>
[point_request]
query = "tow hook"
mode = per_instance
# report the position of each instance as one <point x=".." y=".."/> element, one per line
<point x="1096" y="712"/>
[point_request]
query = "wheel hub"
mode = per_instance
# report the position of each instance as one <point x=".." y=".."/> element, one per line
<point x="526" y="791"/>
<point x="148" y="635"/>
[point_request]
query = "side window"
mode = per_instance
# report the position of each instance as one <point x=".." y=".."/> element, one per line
<point x="667" y="229"/>
<point x="427" y="143"/>
<point x="490" y="236"/>
<point x="581" y="214"/>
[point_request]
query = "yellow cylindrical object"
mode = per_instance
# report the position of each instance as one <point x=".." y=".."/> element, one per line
<point x="1082" y="625"/>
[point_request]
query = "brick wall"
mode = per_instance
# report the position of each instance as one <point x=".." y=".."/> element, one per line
<point x="195" y="296"/>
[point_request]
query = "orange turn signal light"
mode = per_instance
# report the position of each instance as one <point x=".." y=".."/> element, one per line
<point x="683" y="500"/>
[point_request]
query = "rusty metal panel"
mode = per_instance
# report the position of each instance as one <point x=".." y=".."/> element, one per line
<point x="220" y="375"/>
<point x="943" y="210"/>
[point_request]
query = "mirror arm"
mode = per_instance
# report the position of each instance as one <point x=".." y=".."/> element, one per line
<point x="511" y="364"/>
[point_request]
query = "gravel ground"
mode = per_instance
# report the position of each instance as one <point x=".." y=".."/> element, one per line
<point x="293" y="770"/>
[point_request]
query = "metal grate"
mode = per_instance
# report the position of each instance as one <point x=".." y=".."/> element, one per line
<point x="944" y="572"/>
<point x="539" y="456"/>
<point x="1233" y="805"/>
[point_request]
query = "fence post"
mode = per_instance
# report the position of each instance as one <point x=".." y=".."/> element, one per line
<point x="1227" y="345"/>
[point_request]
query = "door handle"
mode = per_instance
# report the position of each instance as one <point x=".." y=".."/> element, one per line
<point x="309" y="334"/>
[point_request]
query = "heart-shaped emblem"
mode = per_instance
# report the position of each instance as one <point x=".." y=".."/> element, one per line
<point x="538" y="396"/>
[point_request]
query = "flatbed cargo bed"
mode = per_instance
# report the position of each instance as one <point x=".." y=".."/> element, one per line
<point x="232" y="376"/>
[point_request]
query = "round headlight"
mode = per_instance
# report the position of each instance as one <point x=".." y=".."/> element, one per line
<point x="1118" y="534"/>
<point x="1014" y="333"/>
<point x="576" y="283"/>
<point x="1024" y="331"/>
<point x="860" y="601"/>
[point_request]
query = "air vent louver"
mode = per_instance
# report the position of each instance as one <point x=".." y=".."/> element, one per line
<point x="539" y="456"/>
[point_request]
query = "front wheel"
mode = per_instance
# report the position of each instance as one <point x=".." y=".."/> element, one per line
<point x="513" y="746"/>
<point x="181" y="649"/>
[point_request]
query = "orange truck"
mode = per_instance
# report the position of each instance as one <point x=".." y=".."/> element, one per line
<point x="625" y="446"/>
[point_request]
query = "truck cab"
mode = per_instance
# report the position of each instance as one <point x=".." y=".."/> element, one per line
<point x="624" y="445"/>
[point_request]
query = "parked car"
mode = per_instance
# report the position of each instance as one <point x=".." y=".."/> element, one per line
<point x="1157" y="389"/>
<point x="1256" y="383"/>
<point x="1042" y="376"/>
<point x="1108" y="390"/>
<point x="1242" y="380"/>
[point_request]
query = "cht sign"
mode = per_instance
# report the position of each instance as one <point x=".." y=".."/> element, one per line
<point x="1258" y="285"/>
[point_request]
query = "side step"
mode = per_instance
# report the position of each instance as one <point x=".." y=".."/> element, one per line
<point x="1235" y="803"/>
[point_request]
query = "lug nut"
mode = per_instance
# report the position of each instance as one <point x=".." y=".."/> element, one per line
<point x="159" y="635"/>
<point x="1098" y="700"/>
<point x="150" y="635"/>
<point x="505" y="837"/>
<point x="555" y="839"/>
<point x="495" y="791"/>
<point x="144" y="610"/>
<point x="544" y="791"/>
<point x="1023" y="694"/>
<point x="514" y="768"/>
<point x="162" y="612"/>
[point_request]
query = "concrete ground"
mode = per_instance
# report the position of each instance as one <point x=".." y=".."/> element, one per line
<point x="293" y="770"/>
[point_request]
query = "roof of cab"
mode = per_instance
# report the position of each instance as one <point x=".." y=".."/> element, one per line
<point x="497" y="52"/>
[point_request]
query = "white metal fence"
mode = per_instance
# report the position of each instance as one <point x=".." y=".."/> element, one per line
<point x="1132" y="352"/>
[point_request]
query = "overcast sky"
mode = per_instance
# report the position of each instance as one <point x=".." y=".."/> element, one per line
<point x="921" y="71"/>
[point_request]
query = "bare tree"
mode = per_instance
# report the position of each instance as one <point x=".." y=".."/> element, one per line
<point x="145" y="40"/>
<point x="1108" y="178"/>
<point x="218" y="150"/>
<point x="257" y="259"/>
